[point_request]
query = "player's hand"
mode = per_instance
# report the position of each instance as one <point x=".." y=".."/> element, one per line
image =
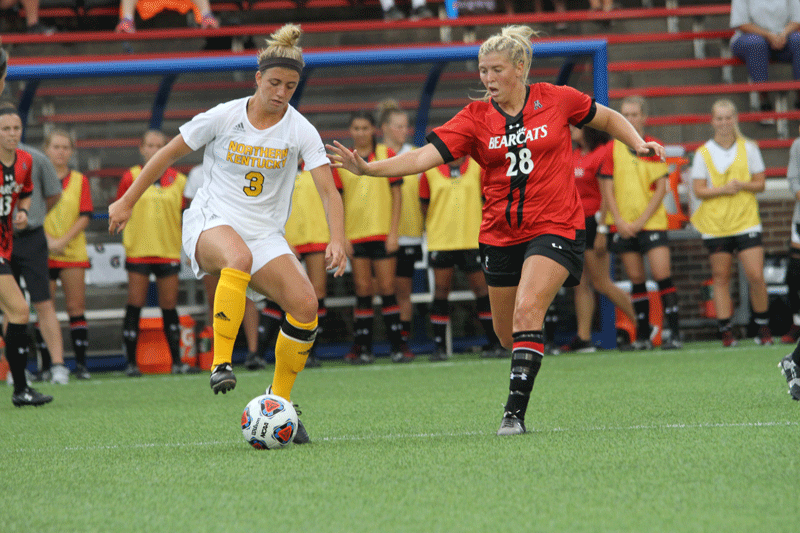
<point x="343" y="157"/>
<point x="336" y="258"/>
<point x="118" y="215"/>
<point x="20" y="220"/>
<point x="626" y="229"/>
<point x="650" y="149"/>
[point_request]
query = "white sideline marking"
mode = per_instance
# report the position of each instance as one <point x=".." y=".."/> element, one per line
<point x="414" y="436"/>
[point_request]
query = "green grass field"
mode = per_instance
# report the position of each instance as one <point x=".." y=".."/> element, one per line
<point x="704" y="439"/>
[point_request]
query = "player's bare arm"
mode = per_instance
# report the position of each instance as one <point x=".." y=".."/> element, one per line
<point x="413" y="162"/>
<point x="119" y="212"/>
<point x="617" y="126"/>
<point x="335" y="253"/>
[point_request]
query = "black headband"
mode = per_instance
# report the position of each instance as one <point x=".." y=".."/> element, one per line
<point x="7" y="110"/>
<point x="284" y="62"/>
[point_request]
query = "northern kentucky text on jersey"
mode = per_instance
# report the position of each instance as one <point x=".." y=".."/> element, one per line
<point x="256" y="156"/>
<point x="520" y="137"/>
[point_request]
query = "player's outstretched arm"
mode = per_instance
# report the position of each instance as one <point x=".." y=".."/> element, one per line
<point x="613" y="123"/>
<point x="119" y="212"/>
<point x="412" y="162"/>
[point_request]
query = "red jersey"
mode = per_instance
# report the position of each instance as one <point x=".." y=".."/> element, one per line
<point x="529" y="182"/>
<point x="587" y="168"/>
<point x="17" y="184"/>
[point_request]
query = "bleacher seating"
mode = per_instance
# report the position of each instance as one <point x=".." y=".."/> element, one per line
<point x="678" y="65"/>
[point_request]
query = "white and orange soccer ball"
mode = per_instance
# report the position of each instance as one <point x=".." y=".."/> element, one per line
<point x="269" y="422"/>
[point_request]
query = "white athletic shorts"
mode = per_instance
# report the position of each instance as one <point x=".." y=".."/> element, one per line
<point x="264" y="249"/>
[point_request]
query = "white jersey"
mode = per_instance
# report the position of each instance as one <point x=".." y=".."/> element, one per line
<point x="248" y="174"/>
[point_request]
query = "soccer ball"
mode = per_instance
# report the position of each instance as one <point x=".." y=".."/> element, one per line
<point x="268" y="422"/>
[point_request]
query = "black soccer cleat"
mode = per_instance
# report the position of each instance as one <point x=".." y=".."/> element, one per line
<point x="30" y="396"/>
<point x="301" y="435"/>
<point x="790" y="372"/>
<point x="254" y="361"/>
<point x="511" y="425"/>
<point x="222" y="378"/>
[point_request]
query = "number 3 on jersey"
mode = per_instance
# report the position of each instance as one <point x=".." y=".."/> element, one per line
<point x="256" y="180"/>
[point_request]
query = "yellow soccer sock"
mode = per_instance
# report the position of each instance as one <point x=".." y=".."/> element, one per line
<point x="291" y="351"/>
<point x="229" y="302"/>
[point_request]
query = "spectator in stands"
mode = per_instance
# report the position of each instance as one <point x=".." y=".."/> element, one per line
<point x="254" y="360"/>
<point x="394" y="126"/>
<point x="308" y="235"/>
<point x="793" y="267"/>
<point x="372" y="220"/>
<point x="588" y="155"/>
<point x="559" y="6"/>
<point x="32" y="22"/>
<point x="419" y="11"/>
<point x="152" y="243"/>
<point x="452" y="203"/>
<point x="16" y="166"/>
<point x="766" y="30"/>
<point x="727" y="172"/>
<point x="532" y="233"/>
<point x="633" y="190"/>
<point x="147" y="9"/>
<point x="65" y="227"/>
<point x="235" y="225"/>
<point x="29" y="261"/>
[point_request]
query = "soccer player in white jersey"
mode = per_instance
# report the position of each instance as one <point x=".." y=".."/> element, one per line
<point x="235" y="225"/>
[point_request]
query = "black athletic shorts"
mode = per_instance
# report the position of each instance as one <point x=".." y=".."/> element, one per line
<point x="407" y="256"/>
<point x="502" y="265"/>
<point x="29" y="261"/>
<point x="467" y="260"/>
<point x="642" y="243"/>
<point x="5" y="267"/>
<point x="159" y="270"/>
<point x="371" y="250"/>
<point x="731" y="244"/>
<point x="591" y="232"/>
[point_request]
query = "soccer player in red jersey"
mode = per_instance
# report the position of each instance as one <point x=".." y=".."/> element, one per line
<point x="532" y="233"/>
<point x="15" y="192"/>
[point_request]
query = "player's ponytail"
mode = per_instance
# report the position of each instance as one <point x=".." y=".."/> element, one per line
<point x="386" y="108"/>
<point x="282" y="49"/>
<point x="515" y="42"/>
<point x="3" y="62"/>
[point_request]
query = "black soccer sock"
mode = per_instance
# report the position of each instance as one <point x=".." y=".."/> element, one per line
<point x="363" y="315"/>
<point x="440" y="318"/>
<point x="641" y="306"/>
<point x="669" y="300"/>
<point x="485" y="318"/>
<point x="79" y="333"/>
<point x="130" y="332"/>
<point x="172" y="331"/>
<point x="796" y="354"/>
<point x="526" y="360"/>
<point x="269" y="324"/>
<point x="792" y="281"/>
<point x="41" y="347"/>
<point x="17" y="350"/>
<point x="761" y="319"/>
<point x="405" y="330"/>
<point x="391" y="318"/>
<point x="724" y="325"/>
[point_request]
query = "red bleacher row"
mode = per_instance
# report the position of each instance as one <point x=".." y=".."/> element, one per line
<point x="349" y="26"/>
